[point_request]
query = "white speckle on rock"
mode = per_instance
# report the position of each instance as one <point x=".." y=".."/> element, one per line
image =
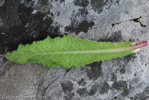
<point x="3" y="33"/>
<point x="34" y="11"/>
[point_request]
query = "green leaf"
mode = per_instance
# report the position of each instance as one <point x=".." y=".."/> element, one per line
<point x="68" y="51"/>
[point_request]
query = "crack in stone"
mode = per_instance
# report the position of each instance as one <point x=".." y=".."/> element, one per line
<point x="137" y="20"/>
<point x="3" y="62"/>
<point x="113" y="24"/>
<point x="43" y="90"/>
<point x="39" y="90"/>
<point x="68" y="70"/>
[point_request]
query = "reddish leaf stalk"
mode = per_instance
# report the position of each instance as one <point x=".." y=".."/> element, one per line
<point x="139" y="45"/>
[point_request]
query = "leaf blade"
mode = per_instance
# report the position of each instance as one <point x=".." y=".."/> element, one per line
<point x="74" y="51"/>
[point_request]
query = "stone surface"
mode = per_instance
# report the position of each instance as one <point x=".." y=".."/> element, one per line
<point x="24" y="21"/>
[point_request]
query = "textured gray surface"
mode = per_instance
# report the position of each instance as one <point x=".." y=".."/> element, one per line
<point x="123" y="78"/>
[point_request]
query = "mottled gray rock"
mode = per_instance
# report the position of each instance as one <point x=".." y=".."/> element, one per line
<point x="123" y="78"/>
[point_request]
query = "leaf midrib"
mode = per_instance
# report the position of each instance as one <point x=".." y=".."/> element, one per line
<point x="82" y="52"/>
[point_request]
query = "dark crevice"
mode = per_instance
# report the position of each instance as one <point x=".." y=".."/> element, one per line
<point x="137" y="20"/>
<point x="115" y="24"/>
<point x="45" y="89"/>
<point x="3" y="62"/>
<point x="39" y="93"/>
<point x="40" y="88"/>
<point x="67" y="70"/>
